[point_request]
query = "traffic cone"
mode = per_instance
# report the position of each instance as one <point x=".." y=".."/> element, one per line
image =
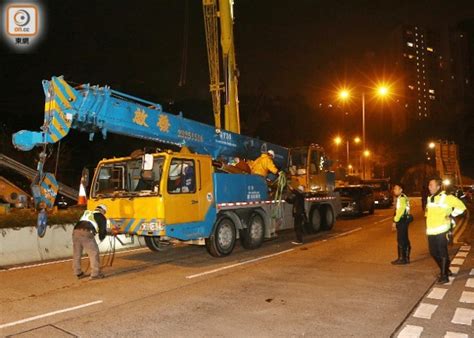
<point x="82" y="200"/>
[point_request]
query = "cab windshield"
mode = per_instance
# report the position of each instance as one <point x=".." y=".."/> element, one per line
<point x="127" y="178"/>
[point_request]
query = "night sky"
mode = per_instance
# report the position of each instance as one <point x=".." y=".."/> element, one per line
<point x="289" y="49"/>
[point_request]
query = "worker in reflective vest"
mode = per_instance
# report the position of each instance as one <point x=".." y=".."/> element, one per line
<point x="83" y="238"/>
<point x="400" y="223"/>
<point x="439" y="208"/>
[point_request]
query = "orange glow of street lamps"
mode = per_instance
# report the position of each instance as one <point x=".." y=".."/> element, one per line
<point x="338" y="140"/>
<point x="357" y="140"/>
<point x="366" y="153"/>
<point x="344" y="94"/>
<point x="349" y="166"/>
<point x="431" y="145"/>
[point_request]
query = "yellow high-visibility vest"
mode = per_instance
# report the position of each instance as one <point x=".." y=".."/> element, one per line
<point x="88" y="216"/>
<point x="438" y="212"/>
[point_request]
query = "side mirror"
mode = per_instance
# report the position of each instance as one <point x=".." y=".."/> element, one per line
<point x="85" y="177"/>
<point x="147" y="163"/>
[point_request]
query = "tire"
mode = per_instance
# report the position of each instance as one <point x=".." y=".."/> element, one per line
<point x="329" y="219"/>
<point x="154" y="244"/>
<point x="252" y="237"/>
<point x="222" y="240"/>
<point x="315" y="223"/>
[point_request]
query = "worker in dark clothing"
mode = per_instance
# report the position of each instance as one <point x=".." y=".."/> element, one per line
<point x="299" y="214"/>
<point x="83" y="238"/>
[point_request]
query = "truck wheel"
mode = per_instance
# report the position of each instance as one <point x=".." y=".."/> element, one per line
<point x="222" y="240"/>
<point x="252" y="236"/>
<point x="328" y="218"/>
<point x="153" y="243"/>
<point x="315" y="220"/>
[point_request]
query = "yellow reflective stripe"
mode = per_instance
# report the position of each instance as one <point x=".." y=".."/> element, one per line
<point x="68" y="88"/>
<point x="438" y="230"/>
<point x="59" y="94"/>
<point x="59" y="128"/>
<point x="135" y="227"/>
<point x="51" y="105"/>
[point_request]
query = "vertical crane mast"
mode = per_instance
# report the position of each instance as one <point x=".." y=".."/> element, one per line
<point x="231" y="106"/>
<point x="209" y="8"/>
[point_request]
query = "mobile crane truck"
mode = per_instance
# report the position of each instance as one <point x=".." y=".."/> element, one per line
<point x="187" y="195"/>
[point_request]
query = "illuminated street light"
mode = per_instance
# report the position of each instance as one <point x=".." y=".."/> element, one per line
<point x="357" y="140"/>
<point x="431" y="145"/>
<point x="344" y="94"/>
<point x="446" y="182"/>
<point x="338" y="140"/>
<point x="349" y="166"/>
<point x="382" y="90"/>
<point x="366" y="153"/>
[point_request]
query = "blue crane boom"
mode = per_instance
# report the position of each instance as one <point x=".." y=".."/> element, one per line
<point x="95" y="109"/>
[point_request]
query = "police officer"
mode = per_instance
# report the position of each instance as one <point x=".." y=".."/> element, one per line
<point x="83" y="238"/>
<point x="400" y="223"/>
<point x="439" y="208"/>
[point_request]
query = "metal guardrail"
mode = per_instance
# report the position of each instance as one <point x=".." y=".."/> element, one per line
<point x="30" y="173"/>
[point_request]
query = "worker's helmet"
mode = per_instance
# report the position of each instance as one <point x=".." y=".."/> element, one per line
<point x="271" y="153"/>
<point x="102" y="207"/>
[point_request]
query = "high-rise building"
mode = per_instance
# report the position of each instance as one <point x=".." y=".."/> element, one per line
<point x="415" y="51"/>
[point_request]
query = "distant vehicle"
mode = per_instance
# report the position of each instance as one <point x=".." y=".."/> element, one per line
<point x="356" y="199"/>
<point x="383" y="197"/>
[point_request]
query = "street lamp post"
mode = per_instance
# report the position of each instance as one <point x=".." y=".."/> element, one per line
<point x="363" y="134"/>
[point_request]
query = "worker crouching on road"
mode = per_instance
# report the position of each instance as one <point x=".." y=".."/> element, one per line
<point x="299" y="213"/>
<point x="439" y="208"/>
<point x="401" y="220"/>
<point x="83" y="238"/>
<point x="264" y="164"/>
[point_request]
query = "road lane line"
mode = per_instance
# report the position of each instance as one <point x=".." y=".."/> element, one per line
<point x="346" y="233"/>
<point x="471" y="273"/>
<point x="425" y="310"/>
<point x="62" y="261"/>
<point x="463" y="316"/>
<point x="49" y="314"/>
<point x="462" y="254"/>
<point x="450" y="334"/>
<point x="410" y="331"/>
<point x="383" y="220"/>
<point x="237" y="264"/>
<point x="454" y="269"/>
<point x="470" y="283"/>
<point x="465" y="248"/>
<point x="457" y="261"/>
<point x="437" y="293"/>
<point x="467" y="297"/>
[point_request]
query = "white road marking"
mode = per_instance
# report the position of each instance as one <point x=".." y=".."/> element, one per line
<point x="437" y="293"/>
<point x="471" y="273"/>
<point x="49" y="314"/>
<point x="457" y="261"/>
<point x="383" y="220"/>
<point x="425" y="310"/>
<point x="467" y="297"/>
<point x="346" y="233"/>
<point x="237" y="264"/>
<point x="451" y="279"/>
<point x="470" y="283"/>
<point x="465" y="248"/>
<point x="462" y="254"/>
<point x="451" y="334"/>
<point x="454" y="270"/>
<point x="463" y="316"/>
<point x="410" y="331"/>
<point x="61" y="261"/>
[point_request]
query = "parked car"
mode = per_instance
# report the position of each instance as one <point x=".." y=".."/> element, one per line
<point x="383" y="197"/>
<point x="356" y="199"/>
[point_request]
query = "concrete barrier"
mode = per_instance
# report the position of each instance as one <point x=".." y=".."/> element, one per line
<point x="22" y="245"/>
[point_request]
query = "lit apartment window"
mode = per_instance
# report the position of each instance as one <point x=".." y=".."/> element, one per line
<point x="431" y="91"/>
<point x="410" y="44"/>
<point x="411" y="87"/>
<point x="432" y="97"/>
<point x="410" y="56"/>
<point x="429" y="49"/>
<point x="419" y="107"/>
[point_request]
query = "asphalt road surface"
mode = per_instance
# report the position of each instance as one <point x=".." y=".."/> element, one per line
<point x="339" y="283"/>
